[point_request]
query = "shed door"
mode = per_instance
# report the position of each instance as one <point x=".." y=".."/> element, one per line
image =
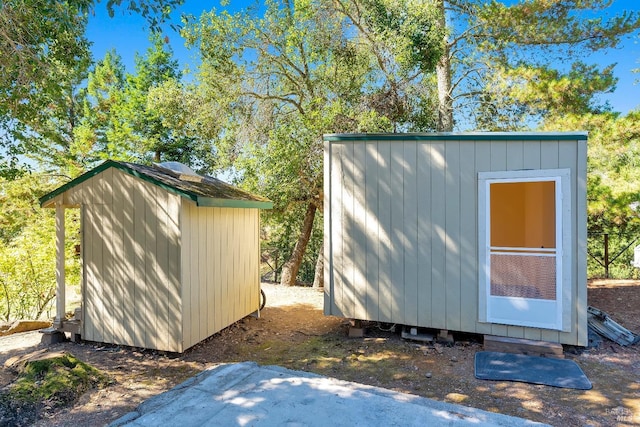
<point x="522" y="240"/>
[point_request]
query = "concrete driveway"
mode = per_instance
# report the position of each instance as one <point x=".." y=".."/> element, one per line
<point x="245" y="394"/>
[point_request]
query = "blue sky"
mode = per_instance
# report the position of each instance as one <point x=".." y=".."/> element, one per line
<point x="126" y="33"/>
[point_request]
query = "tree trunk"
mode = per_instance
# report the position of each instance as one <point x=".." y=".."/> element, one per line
<point x="291" y="267"/>
<point x="443" y="74"/>
<point x="318" y="278"/>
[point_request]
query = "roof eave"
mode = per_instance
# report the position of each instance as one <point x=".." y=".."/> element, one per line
<point x="48" y="200"/>
<point x="468" y="136"/>
<point x="231" y="203"/>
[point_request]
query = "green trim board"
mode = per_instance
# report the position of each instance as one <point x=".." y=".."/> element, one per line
<point x="204" y="191"/>
<point x="457" y="136"/>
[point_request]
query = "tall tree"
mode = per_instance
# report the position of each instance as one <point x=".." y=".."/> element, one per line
<point x="102" y="133"/>
<point x="613" y="180"/>
<point x="133" y="116"/>
<point x="283" y="75"/>
<point x="489" y="45"/>
<point x="149" y="137"/>
<point x="43" y="53"/>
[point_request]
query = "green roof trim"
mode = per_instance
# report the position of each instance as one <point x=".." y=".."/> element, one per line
<point x="459" y="136"/>
<point x="204" y="191"/>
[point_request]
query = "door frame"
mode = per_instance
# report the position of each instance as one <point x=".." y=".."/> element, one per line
<point x="562" y="177"/>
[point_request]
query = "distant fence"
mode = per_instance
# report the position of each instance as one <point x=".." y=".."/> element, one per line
<point x="606" y="249"/>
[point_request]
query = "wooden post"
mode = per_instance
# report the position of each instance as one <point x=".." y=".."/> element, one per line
<point x="606" y="255"/>
<point x="60" y="279"/>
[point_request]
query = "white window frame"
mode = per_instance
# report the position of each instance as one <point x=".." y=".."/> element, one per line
<point x="562" y="177"/>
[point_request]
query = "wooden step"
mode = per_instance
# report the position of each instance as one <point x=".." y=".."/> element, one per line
<point x="523" y="346"/>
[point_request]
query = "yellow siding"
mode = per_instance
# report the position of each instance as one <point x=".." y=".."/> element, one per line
<point x="220" y="280"/>
<point x="402" y="230"/>
<point x="131" y="255"/>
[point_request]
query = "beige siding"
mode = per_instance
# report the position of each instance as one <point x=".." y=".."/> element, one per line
<point x="402" y="230"/>
<point x="131" y="263"/>
<point x="220" y="281"/>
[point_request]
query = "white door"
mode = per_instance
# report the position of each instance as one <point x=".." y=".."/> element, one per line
<point x="522" y="218"/>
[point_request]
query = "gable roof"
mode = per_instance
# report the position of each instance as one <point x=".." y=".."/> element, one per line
<point x="203" y="190"/>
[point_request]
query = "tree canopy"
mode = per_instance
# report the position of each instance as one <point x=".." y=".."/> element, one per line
<point x="44" y="56"/>
<point x="496" y="50"/>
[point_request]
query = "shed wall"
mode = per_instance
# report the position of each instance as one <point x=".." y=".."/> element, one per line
<point x="131" y="261"/>
<point x="220" y="268"/>
<point x="402" y="229"/>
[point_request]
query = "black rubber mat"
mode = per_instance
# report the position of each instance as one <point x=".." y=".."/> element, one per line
<point x="496" y="366"/>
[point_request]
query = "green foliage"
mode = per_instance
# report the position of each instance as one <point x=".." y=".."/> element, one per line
<point x="138" y="117"/>
<point x="279" y="77"/>
<point x="55" y="382"/>
<point x="101" y="132"/>
<point x="515" y="96"/>
<point x="613" y="184"/>
<point x="503" y="59"/>
<point x="27" y="250"/>
<point x="44" y="57"/>
<point x="410" y="28"/>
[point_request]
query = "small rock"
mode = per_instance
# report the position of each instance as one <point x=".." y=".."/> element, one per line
<point x="428" y="375"/>
<point x="454" y="359"/>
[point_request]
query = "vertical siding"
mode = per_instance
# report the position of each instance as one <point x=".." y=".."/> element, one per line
<point x="383" y="214"/>
<point x="358" y="231"/>
<point x="209" y="257"/>
<point x="161" y="273"/>
<point x="425" y="233"/>
<point x="173" y="272"/>
<point x="453" y="292"/>
<point x="468" y="261"/>
<point x="403" y="236"/>
<point x="371" y="231"/>
<point x="108" y="262"/>
<point x="580" y="260"/>
<point x="116" y="215"/>
<point x="410" y="232"/>
<point x="152" y="323"/>
<point x="328" y="241"/>
<point x="220" y="275"/>
<point x="92" y="257"/>
<point x="482" y="163"/>
<point x="130" y="259"/>
<point x="126" y="210"/>
<point x="397" y="234"/>
<point x="140" y="323"/>
<point x="438" y="236"/>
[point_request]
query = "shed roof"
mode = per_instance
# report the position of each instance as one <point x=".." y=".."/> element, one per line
<point x="203" y="190"/>
<point x="467" y="136"/>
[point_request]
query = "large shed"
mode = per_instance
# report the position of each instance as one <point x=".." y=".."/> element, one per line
<point x="472" y="232"/>
<point x="169" y="257"/>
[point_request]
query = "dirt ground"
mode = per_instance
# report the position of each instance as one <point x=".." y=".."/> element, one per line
<point x="293" y="332"/>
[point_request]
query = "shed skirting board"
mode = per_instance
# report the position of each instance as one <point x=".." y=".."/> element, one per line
<point x="401" y="226"/>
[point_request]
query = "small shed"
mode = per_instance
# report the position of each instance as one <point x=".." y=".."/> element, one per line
<point x="169" y="257"/>
<point x="472" y="232"/>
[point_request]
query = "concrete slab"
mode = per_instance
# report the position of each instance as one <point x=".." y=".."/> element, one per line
<point x="245" y="394"/>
